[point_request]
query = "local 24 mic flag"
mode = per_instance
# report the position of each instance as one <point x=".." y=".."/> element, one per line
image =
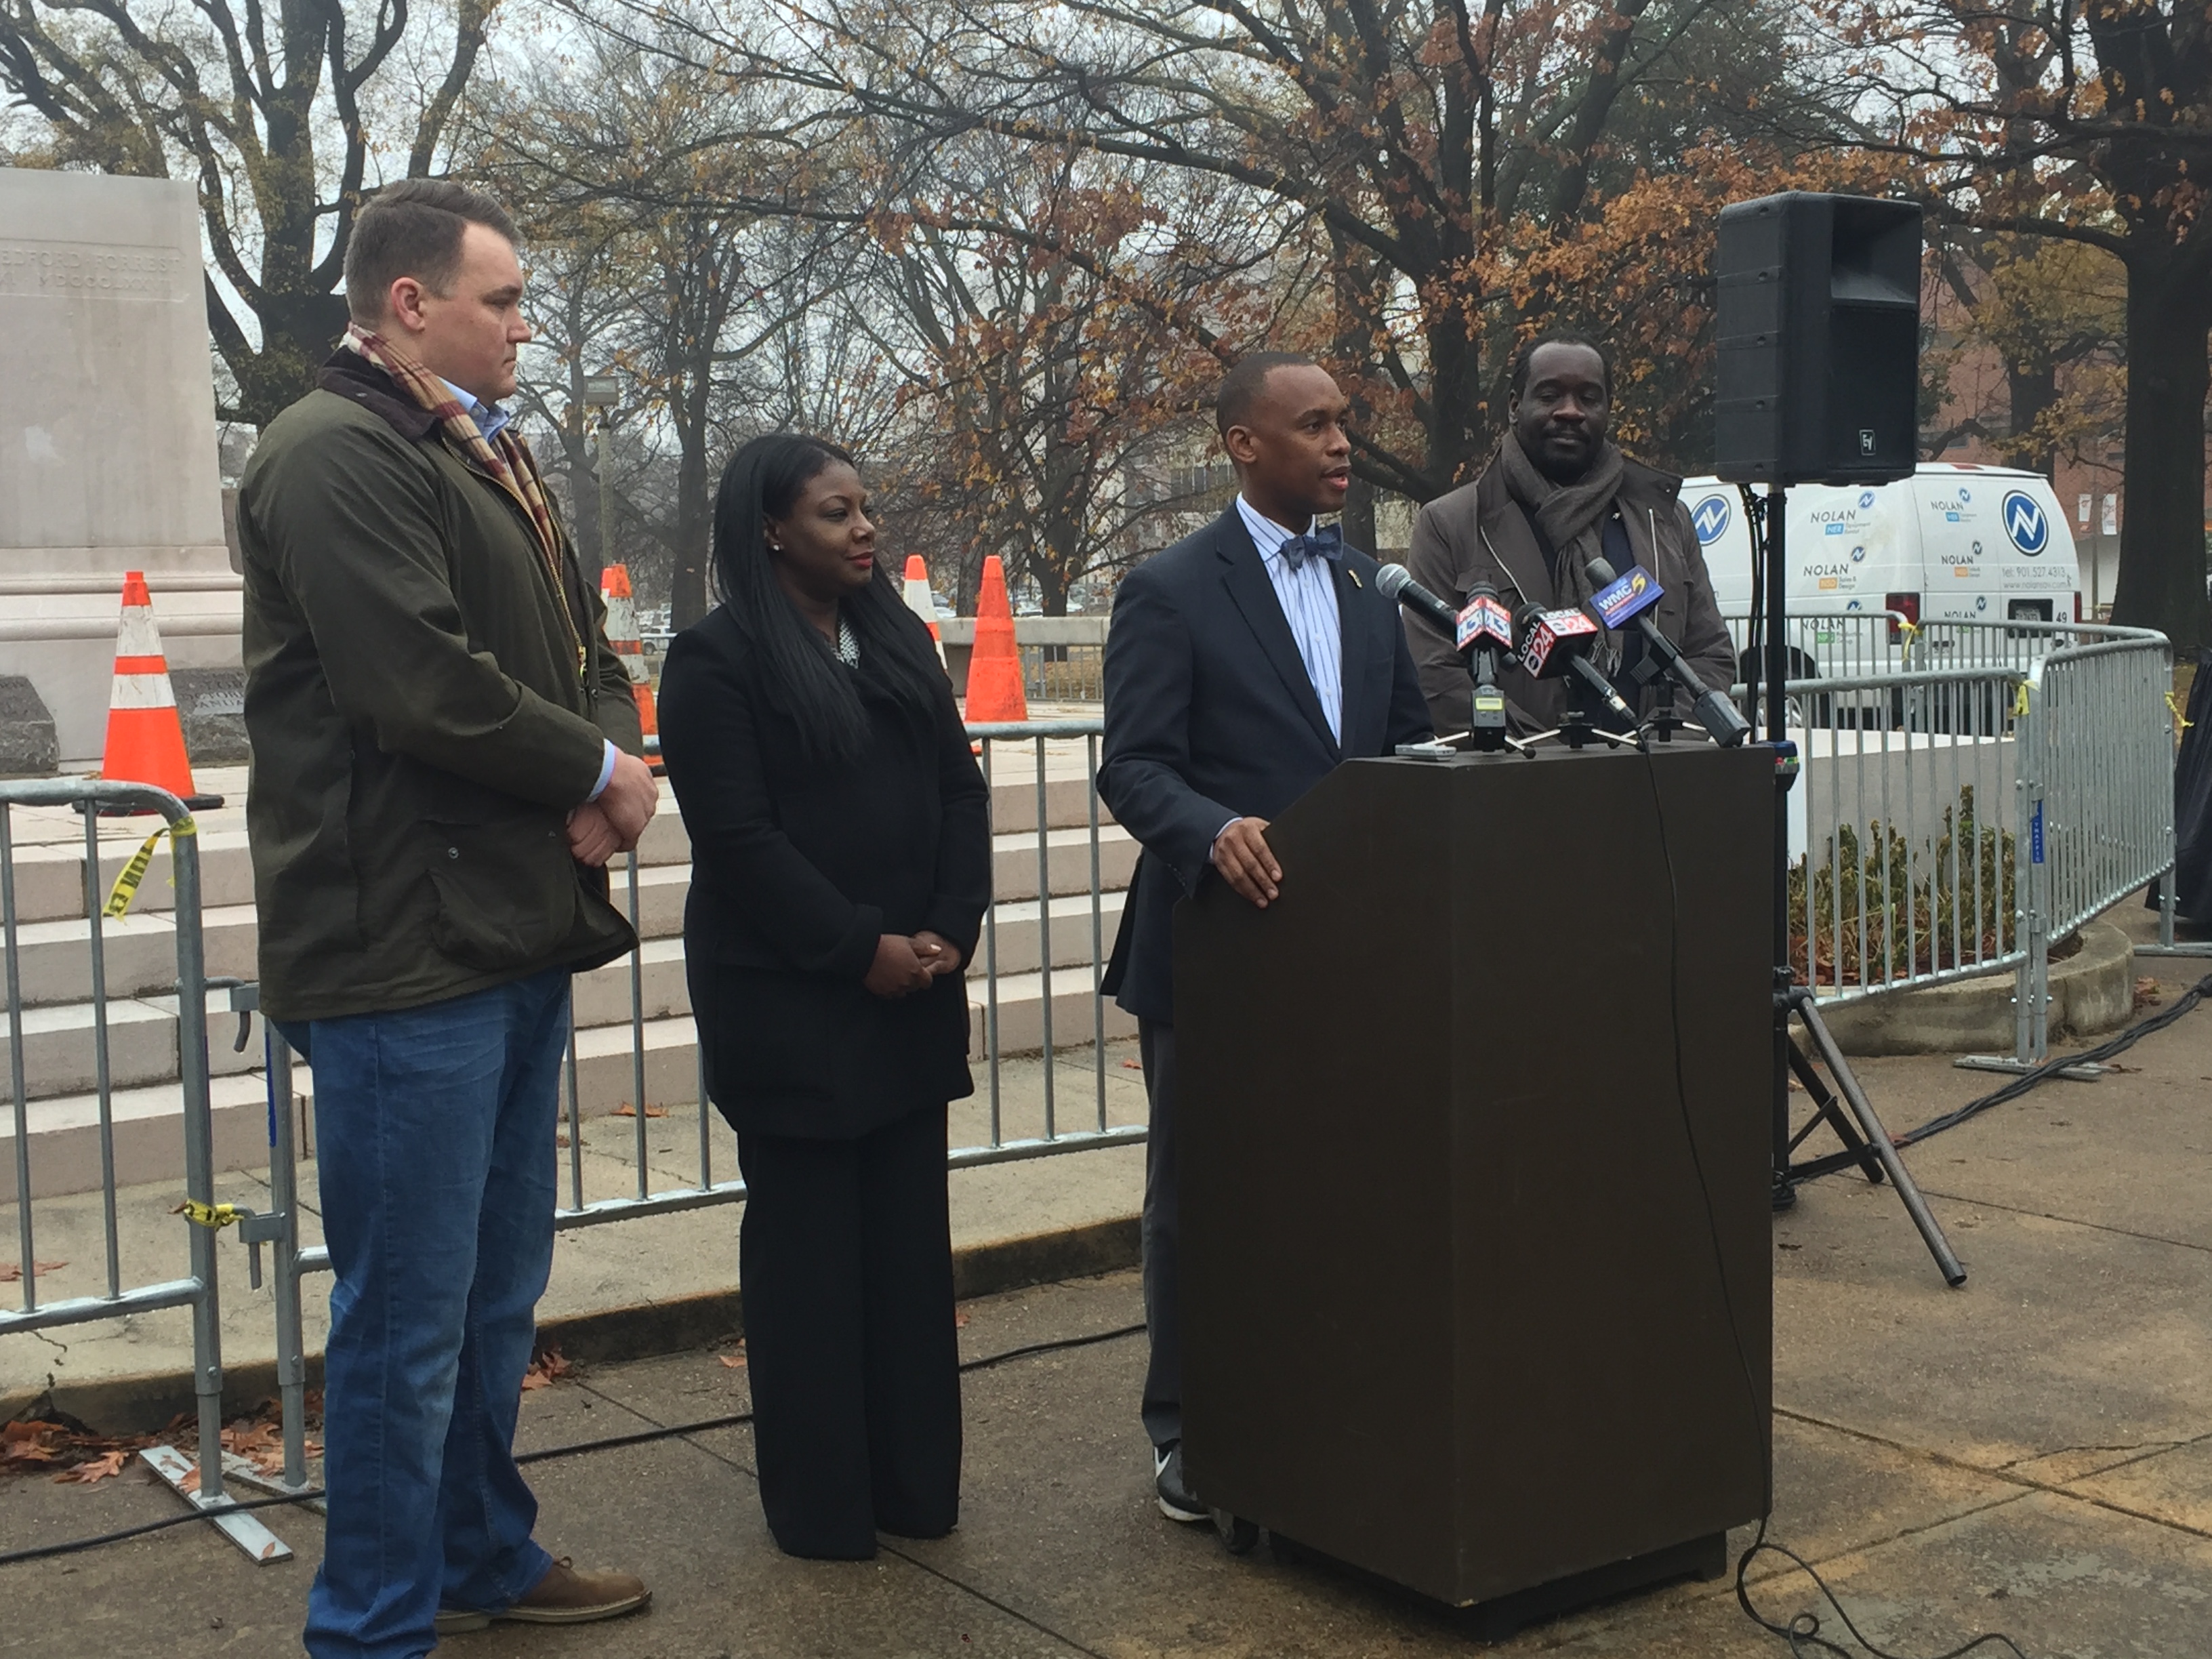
<point x="2192" y="804"/>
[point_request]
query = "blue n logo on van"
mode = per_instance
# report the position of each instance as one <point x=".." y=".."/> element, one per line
<point x="1711" y="516"/>
<point x="1866" y="499"/>
<point x="2024" y="521"/>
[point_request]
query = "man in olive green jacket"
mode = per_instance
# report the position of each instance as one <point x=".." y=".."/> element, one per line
<point x="445" y="755"/>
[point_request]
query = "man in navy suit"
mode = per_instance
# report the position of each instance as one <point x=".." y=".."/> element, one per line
<point x="1243" y="665"/>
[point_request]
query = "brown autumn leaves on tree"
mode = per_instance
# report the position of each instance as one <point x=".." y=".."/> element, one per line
<point x="1027" y="236"/>
<point x="1437" y="181"/>
<point x="2087" y="122"/>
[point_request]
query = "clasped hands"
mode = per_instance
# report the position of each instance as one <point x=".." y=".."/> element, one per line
<point x="600" y="828"/>
<point x="904" y="965"/>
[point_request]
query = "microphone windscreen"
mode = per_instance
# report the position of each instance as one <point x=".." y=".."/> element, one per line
<point x="1391" y="579"/>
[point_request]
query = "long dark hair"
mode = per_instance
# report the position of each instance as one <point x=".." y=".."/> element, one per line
<point x="764" y="480"/>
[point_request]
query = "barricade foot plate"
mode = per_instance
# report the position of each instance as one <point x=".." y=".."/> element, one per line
<point x="255" y="1541"/>
<point x="2087" y="1071"/>
<point x="245" y="1474"/>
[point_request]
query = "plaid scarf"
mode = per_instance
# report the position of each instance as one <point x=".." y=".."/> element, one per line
<point x="506" y="459"/>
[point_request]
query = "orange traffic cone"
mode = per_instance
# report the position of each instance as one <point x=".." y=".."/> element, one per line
<point x="621" y="634"/>
<point x="145" y="737"/>
<point x="994" y="667"/>
<point x="919" y="601"/>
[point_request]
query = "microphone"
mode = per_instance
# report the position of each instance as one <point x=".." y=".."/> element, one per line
<point x="1484" y="628"/>
<point x="1623" y="600"/>
<point x="1556" y="644"/>
<point x="1471" y="631"/>
<point x="1396" y="582"/>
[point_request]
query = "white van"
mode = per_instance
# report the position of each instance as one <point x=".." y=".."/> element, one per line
<point x="1954" y="543"/>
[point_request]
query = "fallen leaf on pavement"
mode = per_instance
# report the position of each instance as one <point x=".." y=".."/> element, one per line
<point x="11" y="1273"/>
<point x="546" y="1370"/>
<point x="736" y="1362"/>
<point x="2147" y="992"/>
<point x="628" y="1110"/>
<point x="97" y="1469"/>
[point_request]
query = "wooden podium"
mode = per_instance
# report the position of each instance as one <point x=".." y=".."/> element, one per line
<point x="1462" y="1307"/>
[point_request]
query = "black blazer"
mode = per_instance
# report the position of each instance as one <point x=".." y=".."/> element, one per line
<point x="1210" y="716"/>
<point x="796" y="869"/>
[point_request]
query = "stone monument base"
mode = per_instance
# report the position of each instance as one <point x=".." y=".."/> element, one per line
<point x="28" y="748"/>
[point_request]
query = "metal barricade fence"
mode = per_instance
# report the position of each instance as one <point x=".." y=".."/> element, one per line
<point x="199" y="1290"/>
<point x="1917" y="838"/>
<point x="2095" y="739"/>
<point x="1902" y="830"/>
<point x="1935" y="791"/>
<point x="1050" y="753"/>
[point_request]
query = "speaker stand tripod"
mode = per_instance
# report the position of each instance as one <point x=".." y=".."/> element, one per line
<point x="1851" y="1118"/>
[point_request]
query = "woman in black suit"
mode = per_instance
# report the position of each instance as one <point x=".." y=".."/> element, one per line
<point x="840" y="861"/>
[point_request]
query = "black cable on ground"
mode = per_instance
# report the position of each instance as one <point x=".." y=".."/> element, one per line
<point x="1803" y="1630"/>
<point x="74" y="1546"/>
<point x="2051" y="1068"/>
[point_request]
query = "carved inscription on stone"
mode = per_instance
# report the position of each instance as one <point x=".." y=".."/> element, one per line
<point x="89" y="270"/>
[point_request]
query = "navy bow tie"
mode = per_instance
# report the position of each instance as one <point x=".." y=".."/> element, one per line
<point x="1327" y="543"/>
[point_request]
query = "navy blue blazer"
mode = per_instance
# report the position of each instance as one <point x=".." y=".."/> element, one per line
<point x="1210" y="717"/>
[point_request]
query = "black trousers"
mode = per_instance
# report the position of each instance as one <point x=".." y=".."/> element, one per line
<point x="1162" y="1235"/>
<point x="845" y="1259"/>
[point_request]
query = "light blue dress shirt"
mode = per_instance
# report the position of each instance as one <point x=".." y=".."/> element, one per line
<point x="1307" y="595"/>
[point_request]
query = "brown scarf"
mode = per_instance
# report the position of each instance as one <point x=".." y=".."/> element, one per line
<point x="506" y="459"/>
<point x="1570" y="517"/>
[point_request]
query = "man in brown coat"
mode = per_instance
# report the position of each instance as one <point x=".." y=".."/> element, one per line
<point x="445" y="753"/>
<point x="1558" y="494"/>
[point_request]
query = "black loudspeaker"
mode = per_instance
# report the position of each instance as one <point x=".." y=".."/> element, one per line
<point x="1819" y="327"/>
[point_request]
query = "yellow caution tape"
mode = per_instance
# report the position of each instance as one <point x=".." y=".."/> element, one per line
<point x="2181" y="721"/>
<point x="2020" y="700"/>
<point x="126" y="883"/>
<point x="1910" y="630"/>
<point x="213" y="1217"/>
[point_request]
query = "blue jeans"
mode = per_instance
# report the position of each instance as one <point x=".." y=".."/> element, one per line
<point x="434" y="1129"/>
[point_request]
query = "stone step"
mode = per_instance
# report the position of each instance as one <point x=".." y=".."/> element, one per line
<point x="1067" y="859"/>
<point x="1017" y="946"/>
<point x="140" y="947"/>
<point x="602" y="997"/>
<point x="148" y="1134"/>
<point x="1067" y="800"/>
<point x="138" y="952"/>
<point x="50" y="873"/>
<point x="140" y="968"/>
<point x="64" y="1129"/>
<point x="1021" y="1015"/>
<point x="60" y="1054"/>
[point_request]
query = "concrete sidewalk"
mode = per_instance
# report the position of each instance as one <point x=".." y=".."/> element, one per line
<point x="2031" y="1453"/>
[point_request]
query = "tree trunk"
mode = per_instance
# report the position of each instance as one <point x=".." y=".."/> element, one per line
<point x="2162" y="583"/>
<point x="2031" y="390"/>
<point x="687" y="597"/>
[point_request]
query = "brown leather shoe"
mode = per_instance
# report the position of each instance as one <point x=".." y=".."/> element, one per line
<point x="565" y="1596"/>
